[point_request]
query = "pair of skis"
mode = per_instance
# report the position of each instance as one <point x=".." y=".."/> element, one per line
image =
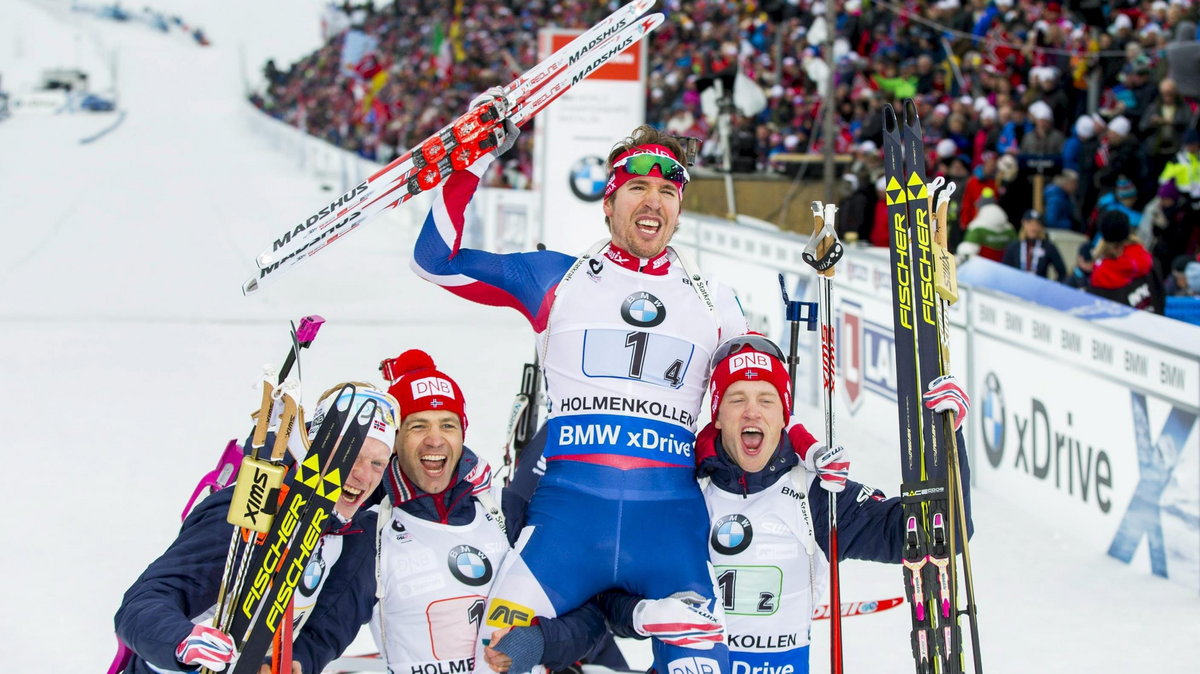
<point x="459" y="144"/>
<point x="923" y="287"/>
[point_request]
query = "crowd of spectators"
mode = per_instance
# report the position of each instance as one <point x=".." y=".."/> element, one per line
<point x="1083" y="112"/>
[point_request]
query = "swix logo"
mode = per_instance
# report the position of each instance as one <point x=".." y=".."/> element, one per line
<point x="256" y="501"/>
<point x="866" y="355"/>
<point x="432" y="386"/>
<point x="749" y="360"/>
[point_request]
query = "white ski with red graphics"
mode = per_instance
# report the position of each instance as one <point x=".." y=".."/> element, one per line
<point x="458" y="144"/>
<point x="857" y="608"/>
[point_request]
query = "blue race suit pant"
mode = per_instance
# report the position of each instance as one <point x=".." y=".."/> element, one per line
<point x="591" y="528"/>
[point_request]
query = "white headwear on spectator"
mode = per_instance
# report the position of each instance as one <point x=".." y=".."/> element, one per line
<point x="790" y="141"/>
<point x="1151" y="28"/>
<point x="966" y="100"/>
<point x="1158" y="6"/>
<point x="987" y="113"/>
<point x="853" y="5"/>
<point x="981" y="102"/>
<point x="776" y="91"/>
<point x="948" y="4"/>
<point x="1085" y="127"/>
<point x="946" y="148"/>
<point x="1122" y="21"/>
<point x="942" y="109"/>
<point x="1040" y="110"/>
<point x="1004" y="3"/>
<point x="852" y="179"/>
<point x="868" y="146"/>
<point x="881" y="184"/>
<point x="1006" y="167"/>
<point x="1120" y="126"/>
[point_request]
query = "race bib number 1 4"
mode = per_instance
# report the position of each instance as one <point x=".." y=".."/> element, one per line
<point x="643" y="356"/>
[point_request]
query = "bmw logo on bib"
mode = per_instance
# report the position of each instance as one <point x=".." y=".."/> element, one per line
<point x="643" y="310"/>
<point x="731" y="534"/>
<point x="588" y="178"/>
<point x="470" y="565"/>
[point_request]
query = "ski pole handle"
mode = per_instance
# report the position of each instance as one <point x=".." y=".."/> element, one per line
<point x="305" y="334"/>
<point x="824" y="249"/>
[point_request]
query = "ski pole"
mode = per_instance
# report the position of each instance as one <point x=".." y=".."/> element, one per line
<point x="946" y="284"/>
<point x="822" y="253"/>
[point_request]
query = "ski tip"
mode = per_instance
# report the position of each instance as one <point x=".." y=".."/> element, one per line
<point x="890" y="123"/>
<point x="250" y="287"/>
<point x="911" y="117"/>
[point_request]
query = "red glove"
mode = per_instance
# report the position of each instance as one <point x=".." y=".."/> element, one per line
<point x="206" y="647"/>
<point x="830" y="464"/>
<point x="946" y="395"/>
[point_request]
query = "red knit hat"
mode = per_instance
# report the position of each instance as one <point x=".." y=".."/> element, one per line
<point x="750" y="357"/>
<point x="419" y="386"/>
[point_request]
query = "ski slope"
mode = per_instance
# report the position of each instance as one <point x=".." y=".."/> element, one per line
<point x="128" y="354"/>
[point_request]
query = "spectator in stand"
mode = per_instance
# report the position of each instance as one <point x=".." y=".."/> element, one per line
<point x="1033" y="252"/>
<point x="856" y="212"/>
<point x="1045" y="139"/>
<point x="1184" y="168"/>
<point x="880" y="233"/>
<point x="1081" y="275"/>
<point x="1120" y="155"/>
<point x="1122" y="199"/>
<point x="989" y="232"/>
<point x="1172" y="225"/>
<point x="982" y="178"/>
<point x="1184" y="280"/>
<point x="1163" y="126"/>
<point x="1122" y="267"/>
<point x="1059" y="199"/>
<point x="1079" y="154"/>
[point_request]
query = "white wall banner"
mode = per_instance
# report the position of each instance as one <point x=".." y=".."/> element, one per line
<point x="573" y="137"/>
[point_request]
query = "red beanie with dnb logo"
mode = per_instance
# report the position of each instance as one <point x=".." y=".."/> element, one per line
<point x="419" y="386"/>
<point x="749" y="364"/>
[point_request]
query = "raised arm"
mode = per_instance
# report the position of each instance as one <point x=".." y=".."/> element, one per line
<point x="523" y="281"/>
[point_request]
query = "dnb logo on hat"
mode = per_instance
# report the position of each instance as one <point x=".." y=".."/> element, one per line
<point x="432" y="386"/>
<point x="469" y="565"/>
<point x="731" y="534"/>
<point x="588" y="178"/>
<point x="992" y="419"/>
<point x="643" y="310"/>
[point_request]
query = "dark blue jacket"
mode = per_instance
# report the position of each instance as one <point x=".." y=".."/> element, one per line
<point x="157" y="611"/>
<point x="568" y="638"/>
<point x="870" y="526"/>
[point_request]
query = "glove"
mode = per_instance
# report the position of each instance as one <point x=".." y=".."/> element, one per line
<point x="679" y="620"/>
<point x="830" y="464"/>
<point x="206" y="647"/>
<point x="946" y="395"/>
<point x="508" y="137"/>
<point x="524" y="645"/>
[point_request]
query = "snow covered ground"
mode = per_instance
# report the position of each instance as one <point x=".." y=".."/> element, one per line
<point x="128" y="354"/>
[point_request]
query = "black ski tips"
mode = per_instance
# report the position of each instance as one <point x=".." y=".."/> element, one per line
<point x="890" y="123"/>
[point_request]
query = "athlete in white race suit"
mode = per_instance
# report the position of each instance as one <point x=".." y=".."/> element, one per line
<point x="625" y="334"/>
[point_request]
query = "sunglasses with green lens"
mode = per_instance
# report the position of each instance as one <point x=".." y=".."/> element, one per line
<point x="643" y="164"/>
